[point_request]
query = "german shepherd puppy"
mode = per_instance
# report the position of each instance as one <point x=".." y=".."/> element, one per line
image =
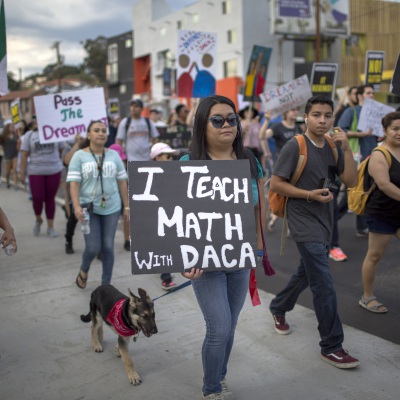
<point x="126" y="316"/>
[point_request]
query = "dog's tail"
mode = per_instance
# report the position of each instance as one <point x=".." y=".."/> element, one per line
<point x="87" y="317"/>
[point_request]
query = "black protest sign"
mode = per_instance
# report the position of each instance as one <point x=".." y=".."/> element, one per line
<point x="395" y="84"/>
<point x="323" y="79"/>
<point x="191" y="214"/>
<point x="177" y="136"/>
<point x="374" y="69"/>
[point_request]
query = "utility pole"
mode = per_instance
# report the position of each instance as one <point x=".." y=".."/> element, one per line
<point x="318" y="32"/>
<point x="56" y="46"/>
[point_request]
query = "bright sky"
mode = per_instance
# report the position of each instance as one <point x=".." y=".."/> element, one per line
<point x="33" y="26"/>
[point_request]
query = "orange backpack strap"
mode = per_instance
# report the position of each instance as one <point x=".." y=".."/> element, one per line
<point x="301" y="161"/>
<point x="333" y="147"/>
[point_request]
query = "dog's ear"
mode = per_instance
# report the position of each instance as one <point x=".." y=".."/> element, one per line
<point x="142" y="293"/>
<point x="132" y="296"/>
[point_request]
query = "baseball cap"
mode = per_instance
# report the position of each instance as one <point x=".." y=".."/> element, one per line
<point x="161" y="148"/>
<point x="137" y="102"/>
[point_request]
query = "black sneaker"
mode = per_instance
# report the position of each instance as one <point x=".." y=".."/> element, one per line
<point x="281" y="326"/>
<point x="127" y="245"/>
<point x="341" y="359"/>
<point x="68" y="248"/>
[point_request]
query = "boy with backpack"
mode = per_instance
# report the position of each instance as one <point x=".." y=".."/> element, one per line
<point x="309" y="214"/>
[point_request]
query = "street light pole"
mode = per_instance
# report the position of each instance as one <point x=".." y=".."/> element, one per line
<point x="318" y="32"/>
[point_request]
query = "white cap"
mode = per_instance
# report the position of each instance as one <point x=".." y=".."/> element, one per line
<point x="161" y="148"/>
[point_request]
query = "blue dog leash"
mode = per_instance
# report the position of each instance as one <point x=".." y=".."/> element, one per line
<point x="181" y="286"/>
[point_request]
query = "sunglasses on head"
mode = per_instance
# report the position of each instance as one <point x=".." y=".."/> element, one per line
<point x="218" y="121"/>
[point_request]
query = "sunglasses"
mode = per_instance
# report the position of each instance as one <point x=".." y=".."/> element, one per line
<point x="218" y="122"/>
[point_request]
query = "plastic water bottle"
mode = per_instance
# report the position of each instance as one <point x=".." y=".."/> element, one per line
<point x="85" y="227"/>
<point x="9" y="250"/>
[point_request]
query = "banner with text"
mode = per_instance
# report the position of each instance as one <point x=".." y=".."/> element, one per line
<point x="371" y="116"/>
<point x="323" y="79"/>
<point x="374" y="69"/>
<point x="191" y="214"/>
<point x="62" y="116"/>
<point x="16" y="113"/>
<point x="197" y="64"/>
<point x="286" y="97"/>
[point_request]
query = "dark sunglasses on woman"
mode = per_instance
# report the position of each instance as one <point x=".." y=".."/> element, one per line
<point x="218" y="121"/>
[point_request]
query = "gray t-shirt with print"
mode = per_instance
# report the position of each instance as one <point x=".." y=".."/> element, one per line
<point x="138" y="138"/>
<point x="309" y="221"/>
<point x="44" y="159"/>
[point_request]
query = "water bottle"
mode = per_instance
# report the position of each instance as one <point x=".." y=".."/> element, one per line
<point x="9" y="250"/>
<point x="85" y="227"/>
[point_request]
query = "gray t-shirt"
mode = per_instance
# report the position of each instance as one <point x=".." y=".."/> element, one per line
<point x="282" y="134"/>
<point x="309" y="222"/>
<point x="44" y="159"/>
<point x="138" y="138"/>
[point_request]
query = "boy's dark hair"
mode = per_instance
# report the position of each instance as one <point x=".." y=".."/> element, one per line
<point x="178" y="108"/>
<point x="319" y="99"/>
<point x="361" y="89"/>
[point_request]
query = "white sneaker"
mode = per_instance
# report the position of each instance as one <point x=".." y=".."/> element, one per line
<point x="228" y="395"/>
<point x="36" y="228"/>
<point x="214" y="396"/>
<point x="52" y="233"/>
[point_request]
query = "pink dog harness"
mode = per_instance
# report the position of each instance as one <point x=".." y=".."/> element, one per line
<point x="115" y="319"/>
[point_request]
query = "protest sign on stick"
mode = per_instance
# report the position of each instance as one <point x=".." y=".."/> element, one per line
<point x="16" y="113"/>
<point x="323" y="79"/>
<point x="286" y="97"/>
<point x="374" y="69"/>
<point x="63" y="115"/>
<point x="191" y="214"/>
<point x="113" y="107"/>
<point x="371" y="116"/>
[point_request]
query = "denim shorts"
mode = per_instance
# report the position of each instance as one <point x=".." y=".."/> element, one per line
<point x="376" y="225"/>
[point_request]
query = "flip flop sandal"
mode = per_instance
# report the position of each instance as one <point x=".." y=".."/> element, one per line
<point x="376" y="308"/>
<point x="83" y="280"/>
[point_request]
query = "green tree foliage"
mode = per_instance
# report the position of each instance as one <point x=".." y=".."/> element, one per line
<point x="96" y="60"/>
<point x="13" y="83"/>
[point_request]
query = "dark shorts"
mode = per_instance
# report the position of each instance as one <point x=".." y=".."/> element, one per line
<point x="376" y="225"/>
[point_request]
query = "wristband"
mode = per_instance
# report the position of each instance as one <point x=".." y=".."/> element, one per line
<point x="126" y="208"/>
<point x="260" y="253"/>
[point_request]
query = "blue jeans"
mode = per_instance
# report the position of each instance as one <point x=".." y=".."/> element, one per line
<point x="314" y="271"/>
<point x="221" y="296"/>
<point x="101" y="239"/>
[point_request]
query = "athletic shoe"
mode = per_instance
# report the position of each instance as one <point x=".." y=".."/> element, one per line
<point x="225" y="390"/>
<point x="68" y="248"/>
<point x="341" y="359"/>
<point x="167" y="284"/>
<point x="214" y="396"/>
<point x="52" y="233"/>
<point x="281" y="326"/>
<point x="127" y="245"/>
<point x="362" y="234"/>
<point x="36" y="228"/>
<point x="336" y="254"/>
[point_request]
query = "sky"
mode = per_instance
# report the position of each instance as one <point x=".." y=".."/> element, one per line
<point x="33" y="26"/>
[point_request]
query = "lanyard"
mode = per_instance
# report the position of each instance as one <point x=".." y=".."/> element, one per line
<point x="100" y="175"/>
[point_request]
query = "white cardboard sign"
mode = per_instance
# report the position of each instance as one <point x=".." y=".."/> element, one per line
<point x="63" y="115"/>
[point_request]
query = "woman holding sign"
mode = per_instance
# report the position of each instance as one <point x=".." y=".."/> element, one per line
<point x="98" y="182"/>
<point x="217" y="135"/>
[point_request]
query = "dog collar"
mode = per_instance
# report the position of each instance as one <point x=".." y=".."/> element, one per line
<point x="115" y="318"/>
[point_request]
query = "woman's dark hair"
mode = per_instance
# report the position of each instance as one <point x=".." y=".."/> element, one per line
<point x="389" y="118"/>
<point x="198" y="145"/>
<point x="86" y="142"/>
<point x="319" y="99"/>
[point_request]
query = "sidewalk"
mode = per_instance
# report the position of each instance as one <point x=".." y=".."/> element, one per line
<point x="45" y="350"/>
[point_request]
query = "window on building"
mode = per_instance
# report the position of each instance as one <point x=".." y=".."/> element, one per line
<point x="163" y="31"/>
<point x="128" y="43"/>
<point x="230" y="68"/>
<point x="179" y="25"/>
<point x="164" y="60"/>
<point x="112" y="53"/>
<point x="195" y="17"/>
<point x="226" y="7"/>
<point x="231" y="36"/>
<point x="122" y="89"/>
